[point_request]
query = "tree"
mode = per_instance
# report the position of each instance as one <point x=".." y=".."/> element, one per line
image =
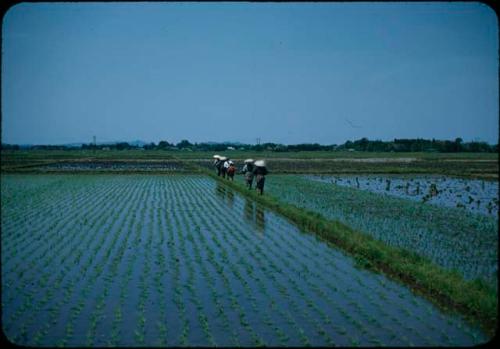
<point x="458" y="144"/>
<point x="163" y="145"/>
<point x="150" y="146"/>
<point x="184" y="144"/>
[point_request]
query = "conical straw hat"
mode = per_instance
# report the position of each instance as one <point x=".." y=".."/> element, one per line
<point x="248" y="161"/>
<point x="216" y="156"/>
<point x="260" y="163"/>
<point x="223" y="158"/>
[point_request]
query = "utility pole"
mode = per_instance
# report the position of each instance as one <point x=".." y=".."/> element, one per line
<point x="95" y="144"/>
<point x="258" y="140"/>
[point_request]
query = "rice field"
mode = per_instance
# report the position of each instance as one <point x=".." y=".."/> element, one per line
<point x="180" y="260"/>
<point x="453" y="238"/>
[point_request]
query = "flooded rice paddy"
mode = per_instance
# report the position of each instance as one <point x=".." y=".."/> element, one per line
<point x="149" y="260"/>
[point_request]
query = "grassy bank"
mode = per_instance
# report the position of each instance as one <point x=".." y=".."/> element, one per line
<point x="474" y="299"/>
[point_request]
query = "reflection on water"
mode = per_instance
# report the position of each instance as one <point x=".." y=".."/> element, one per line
<point x="220" y="190"/>
<point x="254" y="214"/>
<point x="249" y="210"/>
<point x="225" y="194"/>
<point x="230" y="197"/>
<point x="260" y="219"/>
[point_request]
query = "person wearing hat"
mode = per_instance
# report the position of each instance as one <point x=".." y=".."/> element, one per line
<point x="217" y="164"/>
<point x="224" y="166"/>
<point x="260" y="172"/>
<point x="248" y="172"/>
<point x="231" y="170"/>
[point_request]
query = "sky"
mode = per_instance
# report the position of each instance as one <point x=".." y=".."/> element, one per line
<point x="282" y="72"/>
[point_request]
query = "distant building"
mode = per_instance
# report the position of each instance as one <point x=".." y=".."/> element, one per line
<point x="106" y="148"/>
<point x="230" y="148"/>
<point x="351" y="149"/>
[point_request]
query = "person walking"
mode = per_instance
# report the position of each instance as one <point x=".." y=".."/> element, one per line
<point x="217" y="164"/>
<point x="260" y="171"/>
<point x="231" y="170"/>
<point x="248" y="172"/>
<point x="223" y="168"/>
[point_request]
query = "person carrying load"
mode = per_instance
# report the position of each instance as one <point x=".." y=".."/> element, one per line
<point x="223" y="167"/>
<point x="217" y="164"/>
<point x="260" y="171"/>
<point x="231" y="170"/>
<point x="248" y="172"/>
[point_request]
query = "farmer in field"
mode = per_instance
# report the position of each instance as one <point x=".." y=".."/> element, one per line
<point x="231" y="170"/>
<point x="248" y="172"/>
<point x="223" y="167"/>
<point x="217" y="164"/>
<point x="260" y="171"/>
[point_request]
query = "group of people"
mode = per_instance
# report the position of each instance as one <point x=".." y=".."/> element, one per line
<point x="225" y="167"/>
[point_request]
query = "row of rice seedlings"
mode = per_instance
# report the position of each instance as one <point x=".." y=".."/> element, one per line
<point x="43" y="283"/>
<point x="180" y="229"/>
<point x="14" y="215"/>
<point x="190" y="285"/>
<point x="80" y="277"/>
<point x="35" y="199"/>
<point x="133" y="226"/>
<point x="210" y="282"/>
<point x="98" y="314"/>
<point x="235" y="306"/>
<point x="282" y="289"/>
<point x="158" y="278"/>
<point x="38" y="232"/>
<point x="277" y="255"/>
<point x="117" y="261"/>
<point x="56" y="254"/>
<point x="140" y="331"/>
<point x="47" y="241"/>
<point x="80" y="282"/>
<point x="174" y="262"/>
<point x="226" y="237"/>
<point x="263" y="311"/>
<point x="48" y="205"/>
<point x="219" y="269"/>
<point x="275" y="250"/>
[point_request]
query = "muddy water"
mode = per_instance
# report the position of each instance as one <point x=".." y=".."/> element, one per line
<point x="183" y="260"/>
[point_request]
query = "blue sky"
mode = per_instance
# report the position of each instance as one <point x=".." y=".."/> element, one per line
<point x="284" y="72"/>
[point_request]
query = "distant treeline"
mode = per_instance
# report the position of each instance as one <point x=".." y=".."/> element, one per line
<point x="363" y="144"/>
